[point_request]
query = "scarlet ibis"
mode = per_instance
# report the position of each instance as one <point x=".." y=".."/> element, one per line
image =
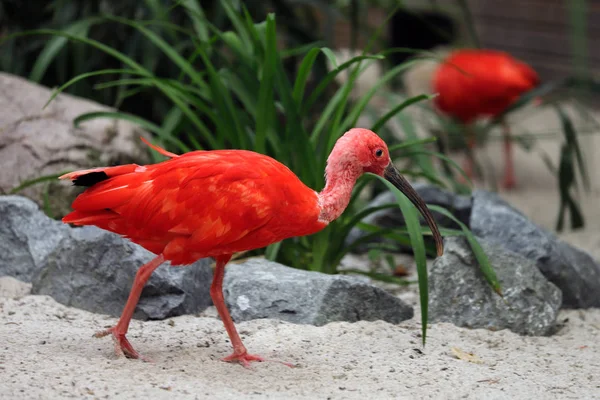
<point x="479" y="83"/>
<point x="217" y="203"/>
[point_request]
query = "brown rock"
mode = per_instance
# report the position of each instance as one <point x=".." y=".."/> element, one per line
<point x="36" y="142"/>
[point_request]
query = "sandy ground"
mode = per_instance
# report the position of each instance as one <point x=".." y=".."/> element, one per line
<point x="48" y="352"/>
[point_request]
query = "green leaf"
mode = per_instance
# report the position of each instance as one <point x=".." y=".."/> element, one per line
<point x="35" y="181"/>
<point x="411" y="133"/>
<point x="441" y="157"/>
<point x="390" y="114"/>
<point x="198" y="18"/>
<point x="330" y="77"/>
<point x="303" y="73"/>
<point x="411" y="218"/>
<point x="480" y="256"/>
<point x="56" y="44"/>
<point x="80" y="77"/>
<point x="571" y="138"/>
<point x="330" y="56"/>
<point x="272" y="251"/>
<point x="266" y="101"/>
<point x="134" y="119"/>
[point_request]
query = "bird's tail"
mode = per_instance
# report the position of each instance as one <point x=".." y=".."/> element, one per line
<point x="89" y="177"/>
<point x="94" y="206"/>
<point x="108" y="188"/>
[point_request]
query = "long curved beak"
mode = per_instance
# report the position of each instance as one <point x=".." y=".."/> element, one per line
<point x="392" y="175"/>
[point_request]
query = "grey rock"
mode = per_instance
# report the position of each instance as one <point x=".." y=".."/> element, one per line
<point x="458" y="205"/>
<point x="27" y="236"/>
<point x="574" y="271"/>
<point x="460" y="294"/>
<point x="37" y="141"/>
<point x="262" y="289"/>
<point x="94" y="270"/>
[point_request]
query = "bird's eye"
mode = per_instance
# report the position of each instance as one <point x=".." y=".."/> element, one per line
<point x="378" y="153"/>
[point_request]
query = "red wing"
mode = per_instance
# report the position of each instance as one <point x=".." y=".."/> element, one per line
<point x="188" y="207"/>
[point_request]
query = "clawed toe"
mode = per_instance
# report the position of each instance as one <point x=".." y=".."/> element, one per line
<point x="245" y="359"/>
<point x="123" y="347"/>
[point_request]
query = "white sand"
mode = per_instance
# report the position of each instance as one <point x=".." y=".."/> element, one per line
<point x="48" y="352"/>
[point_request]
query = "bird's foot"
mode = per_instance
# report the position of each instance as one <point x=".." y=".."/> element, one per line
<point x="245" y="359"/>
<point x="122" y="346"/>
<point x="509" y="182"/>
<point x="509" y="185"/>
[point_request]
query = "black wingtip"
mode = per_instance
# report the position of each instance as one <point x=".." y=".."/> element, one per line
<point x="90" y="179"/>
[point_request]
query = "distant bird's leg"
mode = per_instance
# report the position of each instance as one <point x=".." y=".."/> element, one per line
<point x="122" y="345"/>
<point x="509" y="181"/>
<point x="468" y="164"/>
<point x="216" y="293"/>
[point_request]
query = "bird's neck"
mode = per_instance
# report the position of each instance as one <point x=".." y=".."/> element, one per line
<point x="334" y="198"/>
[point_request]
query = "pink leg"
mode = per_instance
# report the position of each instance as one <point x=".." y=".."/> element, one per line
<point x="509" y="181"/>
<point x="467" y="164"/>
<point x="122" y="345"/>
<point x="240" y="353"/>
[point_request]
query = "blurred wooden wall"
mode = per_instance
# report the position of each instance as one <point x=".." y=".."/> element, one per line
<point x="537" y="31"/>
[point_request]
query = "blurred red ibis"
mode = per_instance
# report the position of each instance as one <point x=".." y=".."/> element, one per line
<point x="217" y="203"/>
<point x="482" y="83"/>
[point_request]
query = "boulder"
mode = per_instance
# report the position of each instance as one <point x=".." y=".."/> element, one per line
<point x="37" y="142"/>
<point x="459" y="293"/>
<point x="94" y="270"/>
<point x="258" y="288"/>
<point x="27" y="236"/>
<point x="574" y="271"/>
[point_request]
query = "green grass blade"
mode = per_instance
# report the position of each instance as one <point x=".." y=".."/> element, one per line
<point x="411" y="218"/>
<point x="56" y="44"/>
<point x="145" y="124"/>
<point x="94" y="43"/>
<point x="390" y="114"/>
<point x="175" y="97"/>
<point x="165" y="47"/>
<point x="303" y="73"/>
<point x="441" y="157"/>
<point x="35" y="181"/>
<point x="196" y="14"/>
<point x="266" y="101"/>
<point x="330" y="77"/>
<point x="80" y="77"/>
<point x="480" y="256"/>
<point x="272" y="251"/>
<point x="125" y="82"/>
<point x="421" y="159"/>
<point x="571" y="139"/>
<point x="358" y="108"/>
<point x="410" y="143"/>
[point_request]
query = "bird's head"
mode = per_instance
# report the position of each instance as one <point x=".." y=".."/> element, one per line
<point x="361" y="150"/>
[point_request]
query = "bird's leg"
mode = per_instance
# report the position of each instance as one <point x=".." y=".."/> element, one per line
<point x="468" y="165"/>
<point x="509" y="181"/>
<point x="468" y="162"/>
<point x="122" y="345"/>
<point x="216" y="293"/>
<point x="240" y="353"/>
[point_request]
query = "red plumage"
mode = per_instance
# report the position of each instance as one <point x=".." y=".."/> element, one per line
<point x="472" y="84"/>
<point x="478" y="83"/>
<point x="200" y="204"/>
